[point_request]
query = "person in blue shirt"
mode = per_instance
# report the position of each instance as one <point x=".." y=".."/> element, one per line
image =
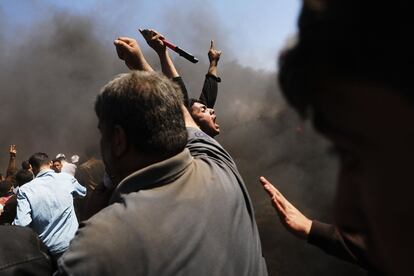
<point x="46" y="205"/>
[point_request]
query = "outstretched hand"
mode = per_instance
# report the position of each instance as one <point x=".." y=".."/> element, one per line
<point x="293" y="220"/>
<point x="213" y="54"/>
<point x="154" y="40"/>
<point x="129" y="51"/>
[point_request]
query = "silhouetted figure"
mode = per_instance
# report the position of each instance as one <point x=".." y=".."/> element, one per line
<point x="351" y="72"/>
<point x="22" y="253"/>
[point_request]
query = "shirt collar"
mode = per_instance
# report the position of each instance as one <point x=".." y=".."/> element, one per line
<point x="157" y="174"/>
<point x="43" y="172"/>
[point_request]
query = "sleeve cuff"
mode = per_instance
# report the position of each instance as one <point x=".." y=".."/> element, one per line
<point x="320" y="232"/>
<point x="218" y="79"/>
<point x="177" y="79"/>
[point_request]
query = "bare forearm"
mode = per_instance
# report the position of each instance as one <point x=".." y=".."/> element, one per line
<point x="12" y="168"/>
<point x="141" y="64"/>
<point x="189" y="122"/>
<point x="167" y="65"/>
<point x="212" y="70"/>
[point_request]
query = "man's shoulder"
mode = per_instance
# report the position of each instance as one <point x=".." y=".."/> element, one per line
<point x="63" y="175"/>
<point x="31" y="256"/>
<point x="195" y="133"/>
<point x="93" y="248"/>
<point x="201" y="145"/>
<point x="29" y="186"/>
<point x="200" y="141"/>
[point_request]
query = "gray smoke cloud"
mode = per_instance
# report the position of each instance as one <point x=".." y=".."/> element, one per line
<point x="52" y="73"/>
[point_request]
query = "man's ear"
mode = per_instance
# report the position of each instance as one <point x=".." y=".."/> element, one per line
<point x="119" y="141"/>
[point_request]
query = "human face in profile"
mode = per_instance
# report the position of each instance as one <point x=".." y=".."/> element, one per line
<point x="372" y="130"/>
<point x="205" y="118"/>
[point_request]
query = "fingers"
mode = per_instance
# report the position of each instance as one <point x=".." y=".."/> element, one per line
<point x="120" y="43"/>
<point x="270" y="189"/>
<point x="211" y="44"/>
<point x="157" y="37"/>
<point x="125" y="39"/>
<point x="281" y="211"/>
<point x="148" y="33"/>
<point x="274" y="193"/>
<point x="144" y="32"/>
<point x="121" y="46"/>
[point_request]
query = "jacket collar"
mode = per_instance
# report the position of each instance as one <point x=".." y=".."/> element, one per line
<point x="157" y="174"/>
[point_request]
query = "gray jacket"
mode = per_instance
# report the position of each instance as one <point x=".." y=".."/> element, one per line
<point x="187" y="215"/>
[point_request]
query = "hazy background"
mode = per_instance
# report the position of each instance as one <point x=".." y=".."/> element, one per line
<point x="55" y="56"/>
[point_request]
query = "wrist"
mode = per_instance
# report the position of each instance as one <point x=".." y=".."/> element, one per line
<point x="213" y="63"/>
<point x="162" y="53"/>
<point x="212" y="71"/>
<point x="137" y="62"/>
<point x="307" y="229"/>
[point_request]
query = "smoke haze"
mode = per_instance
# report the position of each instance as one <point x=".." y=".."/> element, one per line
<point x="52" y="71"/>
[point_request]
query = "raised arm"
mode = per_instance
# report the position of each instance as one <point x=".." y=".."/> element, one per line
<point x="129" y="51"/>
<point x="210" y="87"/>
<point x="12" y="168"/>
<point x="155" y="41"/>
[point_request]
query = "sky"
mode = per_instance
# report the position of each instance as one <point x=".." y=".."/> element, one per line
<point x="256" y="30"/>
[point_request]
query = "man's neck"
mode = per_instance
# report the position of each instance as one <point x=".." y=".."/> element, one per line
<point x="43" y="168"/>
<point x="136" y="163"/>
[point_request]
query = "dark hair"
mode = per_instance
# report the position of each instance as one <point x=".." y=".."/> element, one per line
<point x="39" y="159"/>
<point x="57" y="160"/>
<point x="192" y="101"/>
<point x="356" y="40"/>
<point x="23" y="176"/>
<point x="5" y="187"/>
<point x="25" y="165"/>
<point x="148" y="107"/>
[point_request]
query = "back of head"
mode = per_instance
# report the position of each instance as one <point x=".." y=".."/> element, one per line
<point x="23" y="177"/>
<point x="351" y="40"/>
<point x="148" y="108"/>
<point x="38" y="160"/>
<point x="5" y="187"/>
<point x="25" y="165"/>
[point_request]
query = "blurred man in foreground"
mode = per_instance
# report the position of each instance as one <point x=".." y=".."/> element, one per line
<point x="351" y="71"/>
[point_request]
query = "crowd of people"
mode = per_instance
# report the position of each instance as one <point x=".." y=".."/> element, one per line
<point x="167" y="199"/>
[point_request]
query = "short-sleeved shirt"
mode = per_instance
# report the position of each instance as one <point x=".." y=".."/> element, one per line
<point x="46" y="204"/>
<point x="187" y="215"/>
